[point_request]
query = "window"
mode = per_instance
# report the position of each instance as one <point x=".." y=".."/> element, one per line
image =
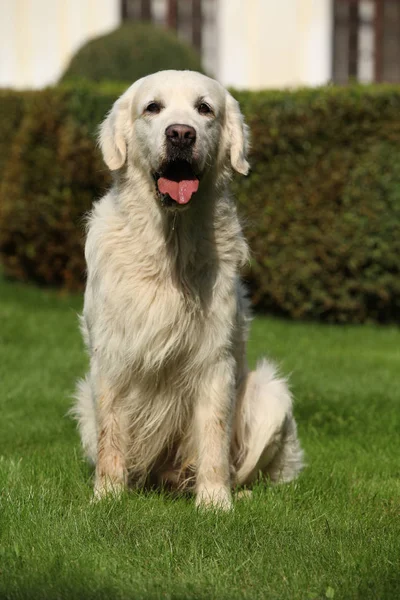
<point x="366" y="41"/>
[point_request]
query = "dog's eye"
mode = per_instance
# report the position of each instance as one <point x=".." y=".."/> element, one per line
<point x="204" y="109"/>
<point x="153" y="108"/>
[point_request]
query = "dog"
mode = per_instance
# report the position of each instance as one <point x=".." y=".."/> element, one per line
<point x="169" y="398"/>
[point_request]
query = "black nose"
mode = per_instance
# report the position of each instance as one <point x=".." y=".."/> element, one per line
<point x="181" y="136"/>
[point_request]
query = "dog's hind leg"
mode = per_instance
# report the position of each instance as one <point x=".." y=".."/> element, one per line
<point x="265" y="436"/>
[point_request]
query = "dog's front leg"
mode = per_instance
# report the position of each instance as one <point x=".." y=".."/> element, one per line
<point x="213" y="433"/>
<point x="111" y="471"/>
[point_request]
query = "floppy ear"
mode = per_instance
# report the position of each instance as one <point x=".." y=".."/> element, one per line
<point x="238" y="135"/>
<point x="112" y="139"/>
<point x="115" y="129"/>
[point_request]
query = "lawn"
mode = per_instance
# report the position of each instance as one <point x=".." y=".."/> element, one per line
<point x="335" y="533"/>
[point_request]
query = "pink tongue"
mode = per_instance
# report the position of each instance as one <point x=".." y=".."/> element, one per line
<point x="180" y="191"/>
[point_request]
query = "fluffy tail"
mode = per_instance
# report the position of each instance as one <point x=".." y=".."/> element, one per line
<point x="84" y="412"/>
<point x="265" y="431"/>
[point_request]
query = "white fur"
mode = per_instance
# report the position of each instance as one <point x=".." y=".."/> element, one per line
<point x="168" y="397"/>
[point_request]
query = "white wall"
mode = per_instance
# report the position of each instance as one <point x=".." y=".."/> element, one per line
<point x="274" y="43"/>
<point x="38" y="37"/>
<point x="259" y="43"/>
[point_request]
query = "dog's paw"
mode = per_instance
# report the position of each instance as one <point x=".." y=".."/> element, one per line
<point x="214" y="498"/>
<point x="106" y="487"/>
<point x="244" y="495"/>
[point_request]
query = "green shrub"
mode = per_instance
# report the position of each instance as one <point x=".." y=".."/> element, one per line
<point x="53" y="174"/>
<point x="321" y="207"/>
<point x="322" y="203"/>
<point x="130" y="52"/>
<point x="11" y="112"/>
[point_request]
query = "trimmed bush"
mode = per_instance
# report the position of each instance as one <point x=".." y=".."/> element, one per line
<point x="321" y="207"/>
<point x="130" y="52"/>
<point x="322" y="203"/>
<point x="12" y="108"/>
<point x="53" y="174"/>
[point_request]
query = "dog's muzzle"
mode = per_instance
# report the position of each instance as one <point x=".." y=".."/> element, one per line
<point x="177" y="179"/>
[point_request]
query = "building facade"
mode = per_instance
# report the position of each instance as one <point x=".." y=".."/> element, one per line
<point x="251" y="44"/>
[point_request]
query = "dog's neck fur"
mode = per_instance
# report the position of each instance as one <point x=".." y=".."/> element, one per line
<point x="207" y="230"/>
<point x="199" y="242"/>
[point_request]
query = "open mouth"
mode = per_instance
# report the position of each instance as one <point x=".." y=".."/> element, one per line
<point x="177" y="182"/>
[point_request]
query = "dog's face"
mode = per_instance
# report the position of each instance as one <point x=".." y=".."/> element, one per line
<point x="175" y="126"/>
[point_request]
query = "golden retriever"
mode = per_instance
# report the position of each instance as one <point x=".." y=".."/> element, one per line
<point x="168" y="397"/>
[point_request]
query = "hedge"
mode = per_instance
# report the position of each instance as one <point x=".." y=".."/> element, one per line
<point x="320" y="208"/>
<point x="49" y="181"/>
<point x="323" y="202"/>
<point x="130" y="52"/>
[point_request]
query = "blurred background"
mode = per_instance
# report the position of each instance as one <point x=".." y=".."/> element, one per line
<point x="248" y="44"/>
<point x="318" y="82"/>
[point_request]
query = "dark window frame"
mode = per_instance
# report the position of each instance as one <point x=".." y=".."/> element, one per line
<point x="346" y="29"/>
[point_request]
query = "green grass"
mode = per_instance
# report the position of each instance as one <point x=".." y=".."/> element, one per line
<point x="333" y="533"/>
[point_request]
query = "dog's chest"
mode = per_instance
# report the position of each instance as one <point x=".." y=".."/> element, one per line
<point x="180" y="317"/>
<point x="152" y="306"/>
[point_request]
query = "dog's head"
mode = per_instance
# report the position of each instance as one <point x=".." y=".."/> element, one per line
<point x="176" y="127"/>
